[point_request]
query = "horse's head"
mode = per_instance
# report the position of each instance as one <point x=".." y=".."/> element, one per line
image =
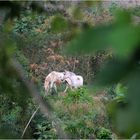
<point x="68" y="74"/>
<point x="60" y="76"/>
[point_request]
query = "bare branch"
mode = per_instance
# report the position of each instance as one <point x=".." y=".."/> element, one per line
<point x="29" y="122"/>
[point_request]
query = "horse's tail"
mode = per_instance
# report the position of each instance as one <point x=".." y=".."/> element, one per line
<point x="47" y="86"/>
<point x="80" y="80"/>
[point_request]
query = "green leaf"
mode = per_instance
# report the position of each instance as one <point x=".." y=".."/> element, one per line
<point x="121" y="36"/>
<point x="113" y="72"/>
<point x="59" y="24"/>
<point x="123" y="17"/>
<point x="124" y="40"/>
<point x="128" y="118"/>
<point x="77" y="14"/>
<point x="120" y="89"/>
<point x="89" y="41"/>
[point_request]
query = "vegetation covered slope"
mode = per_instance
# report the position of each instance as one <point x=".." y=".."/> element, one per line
<point x="41" y="40"/>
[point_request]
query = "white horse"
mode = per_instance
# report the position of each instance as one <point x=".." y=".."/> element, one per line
<point x="54" y="78"/>
<point x="73" y="80"/>
<point x="68" y="74"/>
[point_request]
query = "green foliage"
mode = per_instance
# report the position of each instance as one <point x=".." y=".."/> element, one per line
<point x="12" y="116"/>
<point x="59" y="24"/>
<point x="43" y="128"/>
<point x="136" y="11"/>
<point x="28" y="23"/>
<point x="4" y="103"/>
<point x="31" y="30"/>
<point x="116" y="69"/>
<point x="23" y="60"/>
<point x="79" y="113"/>
<point x="13" y="92"/>
<point x="86" y="39"/>
<point x="121" y="92"/>
<point x="78" y="95"/>
<point x="76" y="109"/>
<point x="10" y="82"/>
<point x="113" y="7"/>
<point x="77" y="14"/>
<point x="113" y="35"/>
<point x="103" y="133"/>
<point x="44" y="131"/>
<point x="10" y="119"/>
<point x="80" y="128"/>
<point x="122" y="36"/>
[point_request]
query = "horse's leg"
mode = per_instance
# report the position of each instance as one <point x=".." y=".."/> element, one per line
<point x="66" y="89"/>
<point x="48" y="90"/>
<point x="51" y="86"/>
<point x="46" y="87"/>
<point x="68" y="86"/>
<point x="55" y="87"/>
<point x="68" y="83"/>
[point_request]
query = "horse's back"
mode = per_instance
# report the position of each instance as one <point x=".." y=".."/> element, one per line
<point x="79" y="81"/>
<point x="76" y="81"/>
<point x="80" y="78"/>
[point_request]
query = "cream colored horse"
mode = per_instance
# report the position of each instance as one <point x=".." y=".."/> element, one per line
<point x="54" y="78"/>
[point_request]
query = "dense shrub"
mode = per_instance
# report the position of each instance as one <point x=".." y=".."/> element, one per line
<point x="103" y="133"/>
<point x="29" y="23"/>
<point x="10" y="118"/>
<point x="78" y="112"/>
<point x="42" y="128"/>
<point x="77" y="96"/>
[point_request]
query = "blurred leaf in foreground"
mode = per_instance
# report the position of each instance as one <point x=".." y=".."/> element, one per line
<point x="121" y="36"/>
<point x="89" y="41"/>
<point x="113" y="72"/>
<point x="128" y="118"/>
